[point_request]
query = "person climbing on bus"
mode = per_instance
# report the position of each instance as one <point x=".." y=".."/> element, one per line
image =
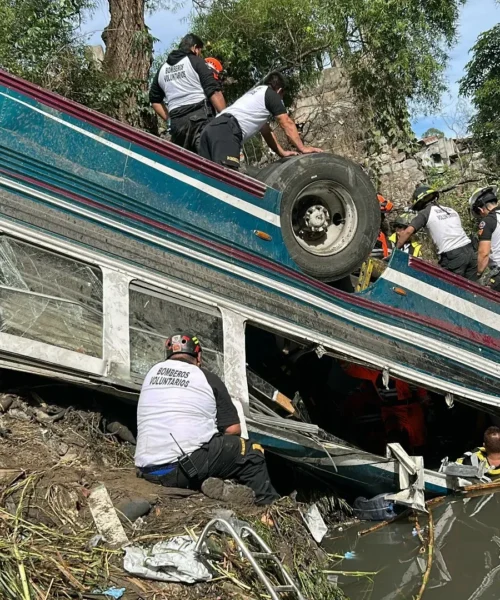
<point x="186" y="84"/>
<point x="400" y="223"/>
<point x="223" y="138"/>
<point x="188" y="431"/>
<point x="488" y="454"/>
<point x="454" y="247"/>
<point x="484" y="206"/>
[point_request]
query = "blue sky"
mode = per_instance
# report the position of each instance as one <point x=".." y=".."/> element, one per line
<point x="477" y="16"/>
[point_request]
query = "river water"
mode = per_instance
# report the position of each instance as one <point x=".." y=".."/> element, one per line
<point x="466" y="562"/>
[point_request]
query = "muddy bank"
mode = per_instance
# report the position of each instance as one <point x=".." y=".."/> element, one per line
<point x="51" y="458"/>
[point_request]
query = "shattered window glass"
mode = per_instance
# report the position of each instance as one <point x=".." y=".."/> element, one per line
<point x="50" y="298"/>
<point x="153" y="319"/>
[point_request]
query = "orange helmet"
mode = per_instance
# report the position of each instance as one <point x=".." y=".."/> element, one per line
<point x="216" y="67"/>
<point x="385" y="205"/>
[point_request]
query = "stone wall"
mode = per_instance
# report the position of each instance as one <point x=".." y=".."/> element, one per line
<point x="330" y="117"/>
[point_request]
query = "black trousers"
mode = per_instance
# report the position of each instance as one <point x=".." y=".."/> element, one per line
<point x="186" y="130"/>
<point x="221" y="141"/>
<point x="462" y="261"/>
<point x="225" y="457"/>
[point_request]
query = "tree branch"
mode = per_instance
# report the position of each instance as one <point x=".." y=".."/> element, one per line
<point x="455" y="185"/>
<point x="292" y="63"/>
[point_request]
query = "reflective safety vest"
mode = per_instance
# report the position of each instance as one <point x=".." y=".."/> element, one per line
<point x="477" y="456"/>
<point x="412" y="248"/>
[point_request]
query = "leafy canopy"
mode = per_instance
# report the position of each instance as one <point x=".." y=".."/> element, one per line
<point x="482" y="84"/>
<point x="393" y="51"/>
<point x="433" y="131"/>
<point x="39" y="42"/>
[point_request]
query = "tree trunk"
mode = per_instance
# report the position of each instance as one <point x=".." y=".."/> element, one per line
<point x="128" y="59"/>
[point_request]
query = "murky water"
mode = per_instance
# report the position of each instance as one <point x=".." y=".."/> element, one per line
<point x="466" y="563"/>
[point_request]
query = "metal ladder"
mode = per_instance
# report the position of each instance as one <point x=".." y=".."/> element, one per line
<point x="265" y="554"/>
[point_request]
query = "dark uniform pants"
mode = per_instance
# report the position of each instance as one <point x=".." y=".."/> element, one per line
<point x="221" y="141"/>
<point x="186" y="130"/>
<point x="225" y="457"/>
<point x="461" y="261"/>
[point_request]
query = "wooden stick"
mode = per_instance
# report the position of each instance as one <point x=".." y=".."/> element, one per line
<point x="430" y="554"/>
<point x="435" y="501"/>
<point x="383" y="524"/>
<point x="481" y="486"/>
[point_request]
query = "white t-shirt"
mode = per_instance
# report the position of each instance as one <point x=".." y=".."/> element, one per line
<point x="183" y="82"/>
<point x="254" y="108"/>
<point x="444" y="226"/>
<point x="177" y="400"/>
<point x="180" y="82"/>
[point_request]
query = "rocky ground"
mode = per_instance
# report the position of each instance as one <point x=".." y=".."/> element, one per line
<point x="53" y="454"/>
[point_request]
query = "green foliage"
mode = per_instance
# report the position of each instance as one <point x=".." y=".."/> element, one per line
<point x="433" y="131"/>
<point x="482" y="84"/>
<point x="393" y="51"/>
<point x="38" y="42"/>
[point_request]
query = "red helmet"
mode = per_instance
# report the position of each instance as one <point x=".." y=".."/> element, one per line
<point x="385" y="205"/>
<point x="216" y="66"/>
<point x="182" y="343"/>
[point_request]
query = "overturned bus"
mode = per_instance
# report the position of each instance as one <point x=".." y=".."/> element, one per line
<point x="112" y="239"/>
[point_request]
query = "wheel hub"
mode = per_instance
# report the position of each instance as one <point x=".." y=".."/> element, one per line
<point x="317" y="218"/>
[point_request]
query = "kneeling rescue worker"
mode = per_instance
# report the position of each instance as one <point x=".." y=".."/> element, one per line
<point x="489" y="453"/>
<point x="484" y="206"/>
<point x="454" y="247"/>
<point x="223" y="138"/>
<point x="188" y="430"/>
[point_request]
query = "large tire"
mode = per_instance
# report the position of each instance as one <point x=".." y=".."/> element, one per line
<point x="330" y="216"/>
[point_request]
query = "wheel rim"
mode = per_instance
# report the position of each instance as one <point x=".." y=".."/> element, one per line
<point x="324" y="218"/>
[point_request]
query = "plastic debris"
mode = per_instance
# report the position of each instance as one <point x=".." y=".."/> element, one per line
<point x="228" y="515"/>
<point x="95" y="541"/>
<point x="173" y="560"/>
<point x="105" y="517"/>
<point x="315" y="523"/>
<point x="112" y="592"/>
<point x="350" y="554"/>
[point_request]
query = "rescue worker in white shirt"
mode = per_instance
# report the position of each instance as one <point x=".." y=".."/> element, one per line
<point x="488" y="454"/>
<point x="454" y="247"/>
<point x="223" y="138"/>
<point x="400" y="224"/>
<point x="187" y="85"/>
<point x="188" y="430"/>
<point x="484" y="205"/>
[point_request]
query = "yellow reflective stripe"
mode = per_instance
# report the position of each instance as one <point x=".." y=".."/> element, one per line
<point x="258" y="447"/>
<point x="243" y="447"/>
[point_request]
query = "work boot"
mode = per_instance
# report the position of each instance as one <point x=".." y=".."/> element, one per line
<point x="226" y="491"/>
